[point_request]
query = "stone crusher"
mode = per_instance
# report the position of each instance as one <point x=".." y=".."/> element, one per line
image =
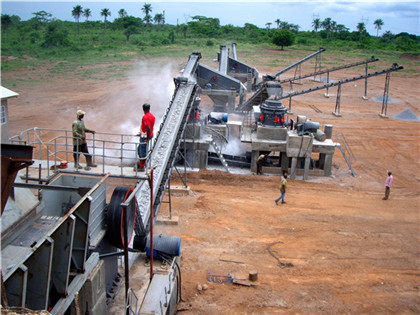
<point x="219" y="86"/>
<point x="237" y="69"/>
<point x="60" y="249"/>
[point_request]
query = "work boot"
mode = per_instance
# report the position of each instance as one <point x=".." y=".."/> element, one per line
<point x="89" y="162"/>
<point x="87" y="168"/>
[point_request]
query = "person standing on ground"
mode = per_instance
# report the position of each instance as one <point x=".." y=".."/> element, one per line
<point x="388" y="184"/>
<point x="260" y="161"/>
<point x="79" y="141"/>
<point x="146" y="134"/>
<point x="283" y="187"/>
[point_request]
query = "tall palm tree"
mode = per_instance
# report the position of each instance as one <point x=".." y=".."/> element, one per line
<point x="87" y="14"/>
<point x="147" y="9"/>
<point x="361" y="27"/>
<point x="268" y="25"/>
<point x="277" y="22"/>
<point x="122" y="13"/>
<point x="378" y="25"/>
<point x="105" y="13"/>
<point x="76" y="13"/>
<point x="316" y="24"/>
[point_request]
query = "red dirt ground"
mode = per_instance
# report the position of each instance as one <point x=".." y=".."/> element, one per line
<point x="352" y="252"/>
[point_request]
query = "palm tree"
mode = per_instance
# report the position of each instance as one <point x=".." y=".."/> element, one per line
<point x="361" y="27"/>
<point x="316" y="24"/>
<point x="87" y="14"/>
<point x="147" y="9"/>
<point x="76" y="13"/>
<point x="122" y="13"/>
<point x="105" y="13"/>
<point x="159" y="18"/>
<point x="326" y="24"/>
<point x="378" y="25"/>
<point x="268" y="25"/>
<point x="277" y="22"/>
<point x="283" y="25"/>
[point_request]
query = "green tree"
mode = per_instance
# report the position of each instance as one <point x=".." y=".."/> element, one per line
<point x="54" y="37"/>
<point x="130" y="30"/>
<point x="105" y="13"/>
<point x="361" y="27"/>
<point x="159" y="19"/>
<point x="87" y="14"/>
<point x="171" y="37"/>
<point x="283" y="25"/>
<point x="277" y="22"/>
<point x="42" y="16"/>
<point x="122" y="13"/>
<point x="76" y="13"/>
<point x="283" y="38"/>
<point x="147" y="9"/>
<point x="184" y="28"/>
<point x="6" y="21"/>
<point x="378" y="25"/>
<point x="316" y="24"/>
<point x="326" y="24"/>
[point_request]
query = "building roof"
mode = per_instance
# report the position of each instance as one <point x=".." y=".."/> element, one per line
<point x="6" y="93"/>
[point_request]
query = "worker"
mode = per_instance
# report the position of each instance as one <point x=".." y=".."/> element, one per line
<point x="146" y="134"/>
<point x="260" y="161"/>
<point x="283" y="187"/>
<point x="388" y="184"/>
<point x="79" y="141"/>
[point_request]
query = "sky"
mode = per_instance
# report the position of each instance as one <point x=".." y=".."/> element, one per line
<point x="398" y="16"/>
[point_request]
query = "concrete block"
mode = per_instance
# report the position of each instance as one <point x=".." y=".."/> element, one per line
<point x="180" y="190"/>
<point x="193" y="131"/>
<point x="173" y="220"/>
<point x="299" y="146"/>
<point x="271" y="133"/>
<point x="92" y="296"/>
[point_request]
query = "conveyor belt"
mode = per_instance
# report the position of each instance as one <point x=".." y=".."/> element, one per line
<point x="167" y="141"/>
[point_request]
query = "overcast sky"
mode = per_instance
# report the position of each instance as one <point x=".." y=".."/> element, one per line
<point x="398" y="16"/>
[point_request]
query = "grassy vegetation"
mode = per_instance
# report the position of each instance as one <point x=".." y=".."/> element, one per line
<point x="57" y="43"/>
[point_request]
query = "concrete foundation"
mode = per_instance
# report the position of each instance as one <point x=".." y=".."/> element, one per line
<point x="295" y="153"/>
<point x="196" y="153"/>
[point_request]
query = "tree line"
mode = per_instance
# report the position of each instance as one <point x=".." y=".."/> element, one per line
<point x="46" y="32"/>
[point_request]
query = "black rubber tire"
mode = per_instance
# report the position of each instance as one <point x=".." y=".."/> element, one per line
<point x="114" y="217"/>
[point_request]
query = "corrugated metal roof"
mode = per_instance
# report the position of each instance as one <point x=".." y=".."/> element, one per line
<point x="6" y="93"/>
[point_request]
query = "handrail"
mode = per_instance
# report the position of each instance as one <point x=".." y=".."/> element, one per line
<point x="63" y="143"/>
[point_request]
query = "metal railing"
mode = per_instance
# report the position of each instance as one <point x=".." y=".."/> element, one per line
<point x="109" y="149"/>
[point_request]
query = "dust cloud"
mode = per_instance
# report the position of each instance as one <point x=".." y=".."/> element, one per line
<point x="146" y="83"/>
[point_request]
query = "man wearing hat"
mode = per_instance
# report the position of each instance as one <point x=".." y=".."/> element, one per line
<point x="79" y="141"/>
<point x="146" y="134"/>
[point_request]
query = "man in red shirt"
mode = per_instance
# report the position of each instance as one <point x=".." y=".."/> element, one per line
<point x="146" y="134"/>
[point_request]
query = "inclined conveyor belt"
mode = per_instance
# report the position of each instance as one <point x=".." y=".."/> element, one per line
<point x="167" y="141"/>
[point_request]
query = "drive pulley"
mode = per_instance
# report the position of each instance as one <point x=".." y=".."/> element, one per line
<point x="115" y="216"/>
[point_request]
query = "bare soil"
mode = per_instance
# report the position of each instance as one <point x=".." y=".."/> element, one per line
<point x="335" y="247"/>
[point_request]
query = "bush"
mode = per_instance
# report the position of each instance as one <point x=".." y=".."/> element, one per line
<point x="209" y="43"/>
